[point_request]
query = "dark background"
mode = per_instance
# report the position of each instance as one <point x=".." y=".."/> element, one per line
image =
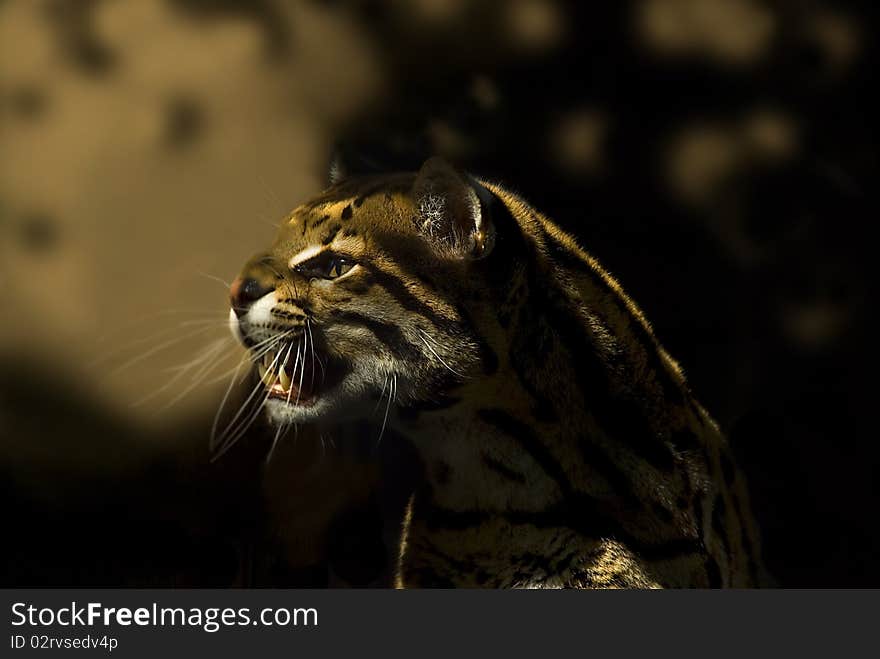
<point x="717" y="156"/>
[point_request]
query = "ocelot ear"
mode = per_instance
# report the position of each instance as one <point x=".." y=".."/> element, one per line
<point x="453" y="211"/>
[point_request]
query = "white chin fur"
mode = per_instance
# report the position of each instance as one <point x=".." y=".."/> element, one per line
<point x="280" y="412"/>
<point x="234" y="326"/>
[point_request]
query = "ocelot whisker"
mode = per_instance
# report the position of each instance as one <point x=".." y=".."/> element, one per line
<point x="149" y="353"/>
<point x="229" y="428"/>
<point x="212" y="439"/>
<point x="282" y="430"/>
<point x="197" y="378"/>
<point x="442" y="361"/>
<point x="110" y="354"/>
<point x="392" y="393"/>
<point x="202" y="363"/>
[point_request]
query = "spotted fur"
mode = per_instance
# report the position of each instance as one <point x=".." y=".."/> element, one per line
<point x="562" y="446"/>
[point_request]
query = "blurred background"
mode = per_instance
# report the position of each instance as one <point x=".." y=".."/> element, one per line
<point x="717" y="156"/>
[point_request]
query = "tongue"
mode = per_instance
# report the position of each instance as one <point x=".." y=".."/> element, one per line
<point x="302" y="383"/>
<point x="294" y="394"/>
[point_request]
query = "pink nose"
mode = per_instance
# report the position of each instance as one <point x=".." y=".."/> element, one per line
<point x="235" y="289"/>
<point x="244" y="292"/>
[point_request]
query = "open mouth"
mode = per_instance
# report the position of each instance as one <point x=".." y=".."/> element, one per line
<point x="297" y="376"/>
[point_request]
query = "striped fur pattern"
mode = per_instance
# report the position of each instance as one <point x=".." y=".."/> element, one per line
<point x="562" y="446"/>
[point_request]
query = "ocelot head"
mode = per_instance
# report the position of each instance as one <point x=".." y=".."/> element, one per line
<point x="361" y="294"/>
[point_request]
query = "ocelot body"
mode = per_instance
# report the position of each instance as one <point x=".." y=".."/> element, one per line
<point x="561" y="444"/>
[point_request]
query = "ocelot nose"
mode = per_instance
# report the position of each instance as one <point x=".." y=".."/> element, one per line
<point x="244" y="292"/>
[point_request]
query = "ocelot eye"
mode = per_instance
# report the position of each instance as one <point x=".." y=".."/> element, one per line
<point x="325" y="266"/>
<point x="338" y="266"/>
